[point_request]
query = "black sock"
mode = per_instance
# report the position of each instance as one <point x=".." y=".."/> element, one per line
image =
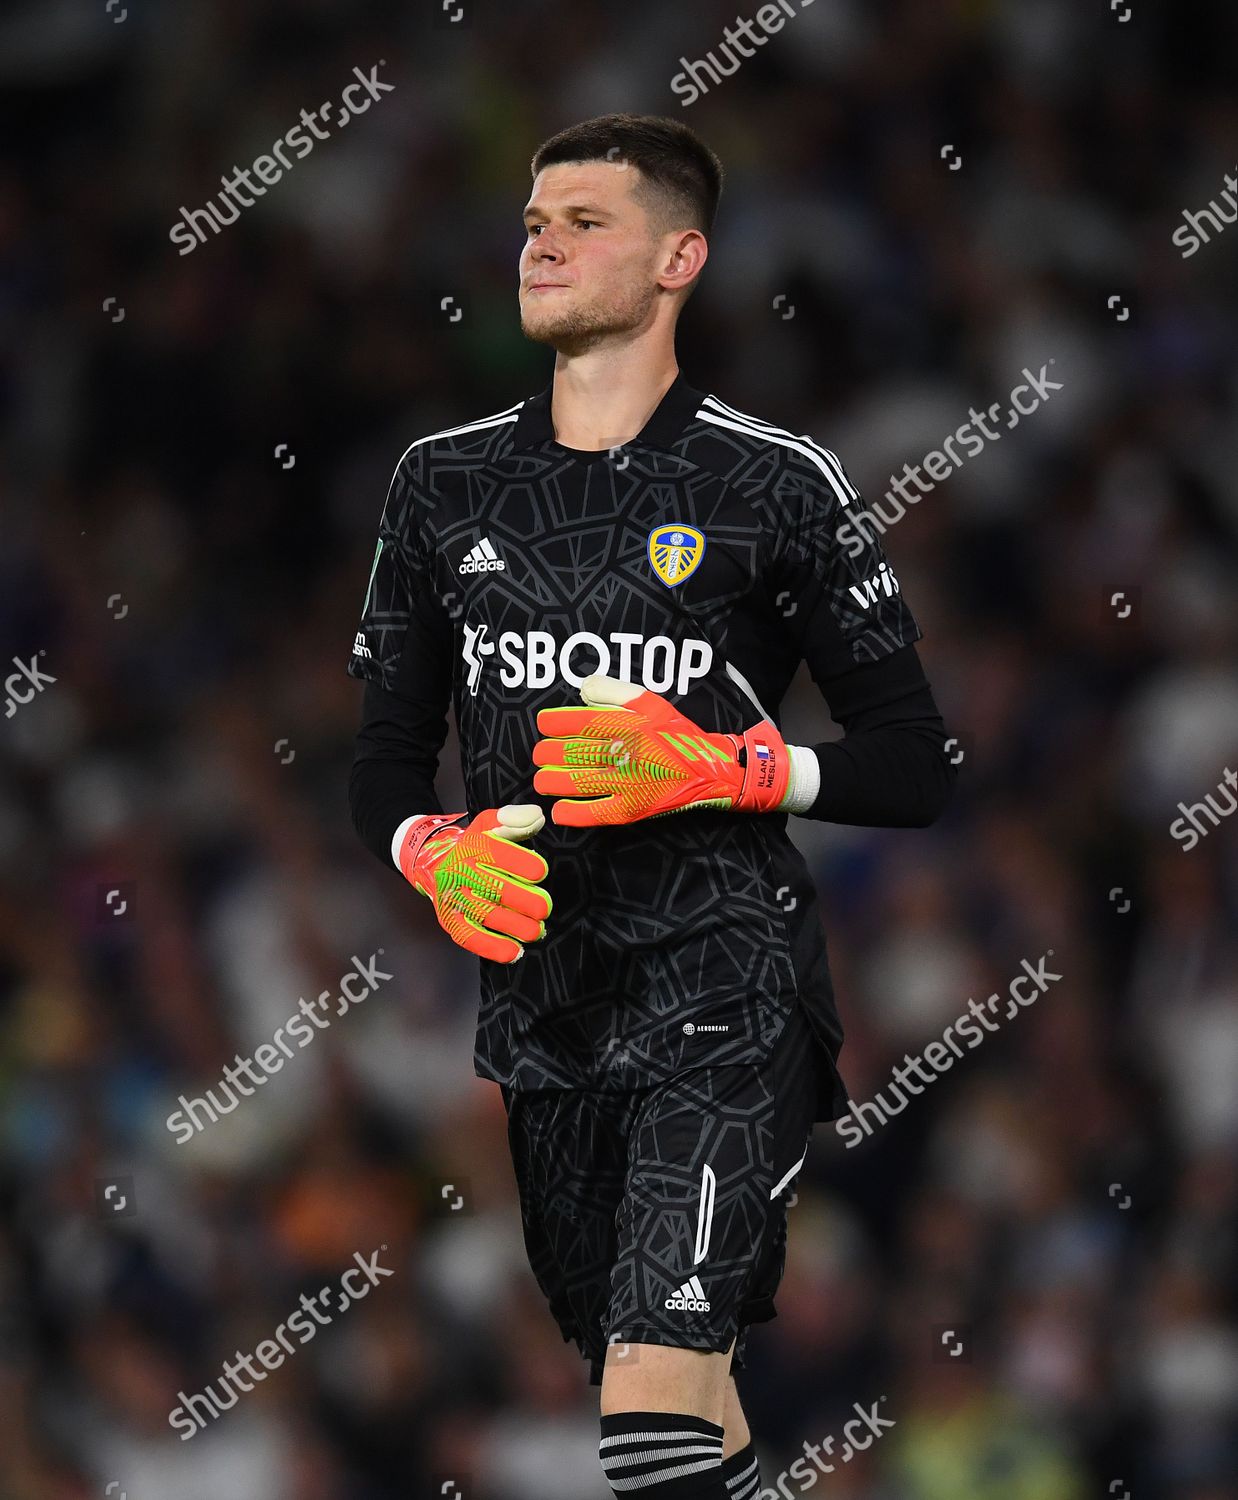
<point x="741" y="1474"/>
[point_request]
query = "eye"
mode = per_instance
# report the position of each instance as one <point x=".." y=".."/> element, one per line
<point x="533" y="228"/>
<point x="591" y="223"/>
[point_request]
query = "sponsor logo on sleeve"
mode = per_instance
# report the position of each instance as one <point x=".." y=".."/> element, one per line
<point x="882" y="585"/>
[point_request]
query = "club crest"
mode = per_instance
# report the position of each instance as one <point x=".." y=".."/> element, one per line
<point x="675" y="552"/>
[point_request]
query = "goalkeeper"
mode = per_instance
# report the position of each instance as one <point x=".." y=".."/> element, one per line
<point x="613" y="583"/>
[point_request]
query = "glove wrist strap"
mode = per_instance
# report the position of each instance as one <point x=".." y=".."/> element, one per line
<point x="418" y="832"/>
<point x="767" y="769"/>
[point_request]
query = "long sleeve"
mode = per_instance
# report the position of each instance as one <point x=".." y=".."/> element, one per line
<point x="394" y="766"/>
<point x="837" y="605"/>
<point x="403" y="652"/>
<point x="890" y="769"/>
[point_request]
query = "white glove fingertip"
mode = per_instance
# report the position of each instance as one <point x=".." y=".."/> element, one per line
<point x="521" y="819"/>
<point x="600" y="691"/>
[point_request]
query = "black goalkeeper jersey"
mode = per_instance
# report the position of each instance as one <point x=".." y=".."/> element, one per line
<point x="700" y="559"/>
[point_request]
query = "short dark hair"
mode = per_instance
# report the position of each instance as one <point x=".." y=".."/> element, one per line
<point x="681" y="177"/>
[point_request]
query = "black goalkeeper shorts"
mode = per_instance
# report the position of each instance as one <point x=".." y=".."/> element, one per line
<point x="659" y="1216"/>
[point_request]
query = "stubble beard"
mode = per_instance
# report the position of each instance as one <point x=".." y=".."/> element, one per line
<point x="578" y="329"/>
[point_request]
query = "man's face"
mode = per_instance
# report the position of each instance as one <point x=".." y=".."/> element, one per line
<point x="590" y="264"/>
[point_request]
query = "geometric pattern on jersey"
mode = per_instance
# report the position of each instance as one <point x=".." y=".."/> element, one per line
<point x="675" y="1194"/>
<point x="508" y="568"/>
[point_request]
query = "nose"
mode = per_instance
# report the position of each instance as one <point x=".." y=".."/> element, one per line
<point x="545" y="247"/>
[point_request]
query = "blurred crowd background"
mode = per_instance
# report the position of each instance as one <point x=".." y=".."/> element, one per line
<point x="942" y="192"/>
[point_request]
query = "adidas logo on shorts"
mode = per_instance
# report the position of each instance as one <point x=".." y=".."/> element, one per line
<point x="482" y="559"/>
<point x="690" y="1297"/>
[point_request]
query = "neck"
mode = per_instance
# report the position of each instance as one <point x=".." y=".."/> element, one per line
<point x="603" y="398"/>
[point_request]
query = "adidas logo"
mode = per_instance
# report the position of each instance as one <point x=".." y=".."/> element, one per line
<point x="690" y="1028"/>
<point x="482" y="559"/>
<point x="359" y="648"/>
<point x="690" y="1297"/>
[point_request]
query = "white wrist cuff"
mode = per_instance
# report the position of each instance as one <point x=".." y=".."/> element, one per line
<point x="398" y="838"/>
<point x="804" y="782"/>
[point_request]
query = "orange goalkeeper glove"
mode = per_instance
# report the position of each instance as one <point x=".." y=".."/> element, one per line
<point x="486" y="888"/>
<point x="630" y="754"/>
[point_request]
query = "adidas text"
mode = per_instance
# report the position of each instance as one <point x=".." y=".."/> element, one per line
<point x="689" y="1298"/>
<point x="482" y="559"/>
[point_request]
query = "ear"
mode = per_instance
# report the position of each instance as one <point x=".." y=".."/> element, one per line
<point x="686" y="255"/>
